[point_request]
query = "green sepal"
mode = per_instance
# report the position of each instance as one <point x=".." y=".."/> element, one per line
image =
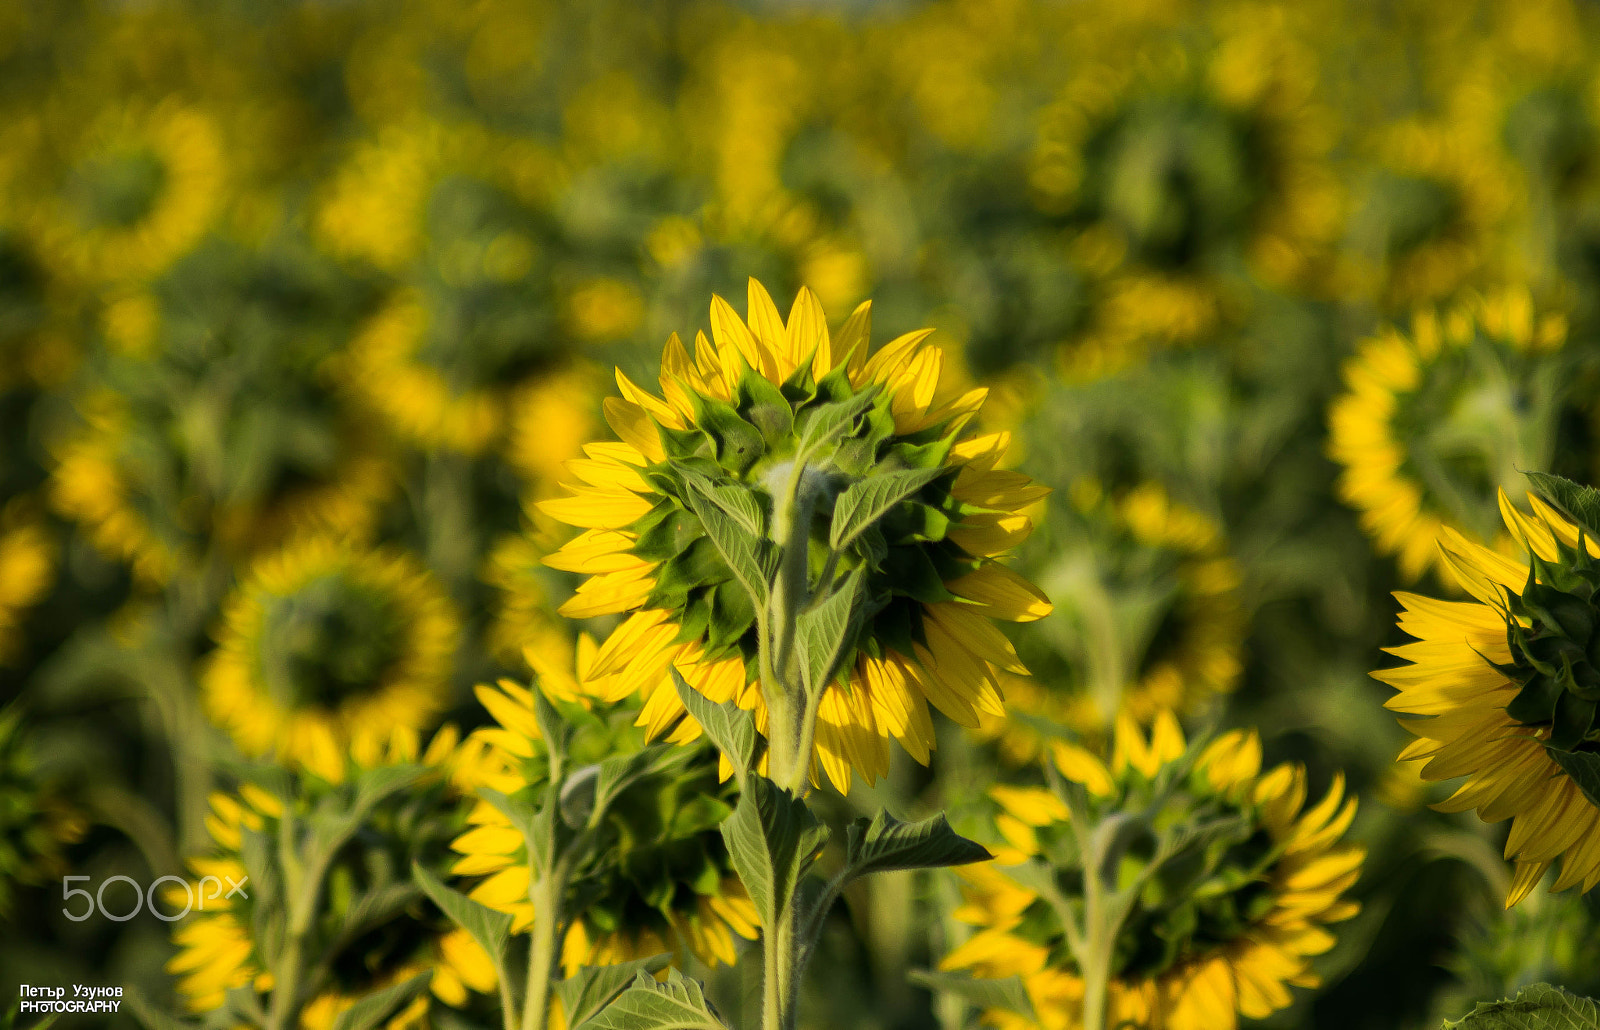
<point x="735" y="443"/>
<point x="1584" y="769"/>
<point x="1579" y="503"/>
<point x="764" y="406"/>
<point x="1574" y="718"/>
<point x="1538" y="1007"/>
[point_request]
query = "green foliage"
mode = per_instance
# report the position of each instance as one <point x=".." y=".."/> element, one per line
<point x="885" y="843"/>
<point x="678" y="1004"/>
<point x="773" y="840"/>
<point x="1540" y="1007"/>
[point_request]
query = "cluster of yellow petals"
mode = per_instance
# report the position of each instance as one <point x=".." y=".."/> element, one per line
<point x="885" y="698"/>
<point x="1453" y="701"/>
<point x="1209" y="990"/>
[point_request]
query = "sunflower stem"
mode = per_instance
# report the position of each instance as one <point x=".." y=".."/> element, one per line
<point x="546" y="897"/>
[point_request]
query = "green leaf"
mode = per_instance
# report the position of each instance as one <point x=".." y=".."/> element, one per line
<point x="149" y="1017"/>
<point x="773" y="840"/>
<point x="557" y="732"/>
<point x="1007" y="994"/>
<point x="623" y="771"/>
<point x="678" y="1004"/>
<point x="374" y="1008"/>
<point x="1580" y="503"/>
<point x="491" y="929"/>
<point x="731" y="728"/>
<point x="592" y="988"/>
<point x="887" y="843"/>
<point x="1539" y="1007"/>
<point x="374" y="785"/>
<point x="822" y="632"/>
<point x="867" y="500"/>
<point x="742" y="551"/>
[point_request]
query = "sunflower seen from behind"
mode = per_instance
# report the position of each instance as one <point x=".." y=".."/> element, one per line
<point x="1437" y="417"/>
<point x="1498" y="689"/>
<point x="853" y="469"/>
<point x="231" y="936"/>
<point x="325" y="645"/>
<point x="1233" y="881"/>
<point x="660" y="880"/>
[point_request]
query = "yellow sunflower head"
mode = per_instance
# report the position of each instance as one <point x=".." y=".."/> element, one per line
<point x="1435" y="419"/>
<point x="225" y="941"/>
<point x="459" y="215"/>
<point x="1502" y="689"/>
<point x="783" y="442"/>
<point x="660" y="881"/>
<point x="138" y="190"/>
<point x="27" y="569"/>
<point x="325" y="646"/>
<point x="1227" y="880"/>
<point x="1147" y="618"/>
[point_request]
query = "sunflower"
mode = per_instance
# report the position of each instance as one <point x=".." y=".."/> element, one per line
<point x="1436" y="418"/>
<point x="460" y="217"/>
<point x="1496" y="690"/>
<point x="142" y="187"/>
<point x="326" y="645"/>
<point x="27" y="567"/>
<point x="1225" y="937"/>
<point x="1148" y="618"/>
<point x="218" y="950"/>
<point x="666" y="883"/>
<point x="1437" y="205"/>
<point x="736" y="410"/>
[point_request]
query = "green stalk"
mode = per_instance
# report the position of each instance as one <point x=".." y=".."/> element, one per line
<point x="546" y="898"/>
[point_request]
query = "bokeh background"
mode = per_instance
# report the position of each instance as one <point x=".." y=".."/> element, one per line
<point x="1268" y="293"/>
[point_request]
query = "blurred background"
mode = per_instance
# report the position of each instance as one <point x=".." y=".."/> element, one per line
<point x="1268" y="294"/>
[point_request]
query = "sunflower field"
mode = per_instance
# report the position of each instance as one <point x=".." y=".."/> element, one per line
<point x="799" y="514"/>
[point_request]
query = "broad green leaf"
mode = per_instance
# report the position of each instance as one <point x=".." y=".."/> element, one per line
<point x="266" y="891"/>
<point x="867" y="500"/>
<point x="1583" y="767"/>
<point x="592" y="988"/>
<point x="731" y="728"/>
<point x="1007" y="994"/>
<point x="822" y="632"/>
<point x="577" y="797"/>
<point x="374" y="785"/>
<point x="557" y="732"/>
<point x="1539" y="1007"/>
<point x="738" y="548"/>
<point x="489" y="928"/>
<point x="887" y="843"/>
<point x="374" y="1008"/>
<point x="1581" y="503"/>
<point x="773" y="840"/>
<point x="678" y="1004"/>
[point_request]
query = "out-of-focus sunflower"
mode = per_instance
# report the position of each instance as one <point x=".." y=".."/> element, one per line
<point x="1433" y="217"/>
<point x="736" y="411"/>
<point x="461" y="216"/>
<point x="35" y="821"/>
<point x="326" y="645"/>
<point x="27" y="567"/>
<point x="1147" y="616"/>
<point x="524" y="614"/>
<point x="1436" y="419"/>
<point x="141" y="187"/>
<point x="218" y="950"/>
<point x="1224" y="935"/>
<point x="665" y="883"/>
<point x="1497" y="689"/>
<point x="1176" y="162"/>
<point x="209" y="417"/>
